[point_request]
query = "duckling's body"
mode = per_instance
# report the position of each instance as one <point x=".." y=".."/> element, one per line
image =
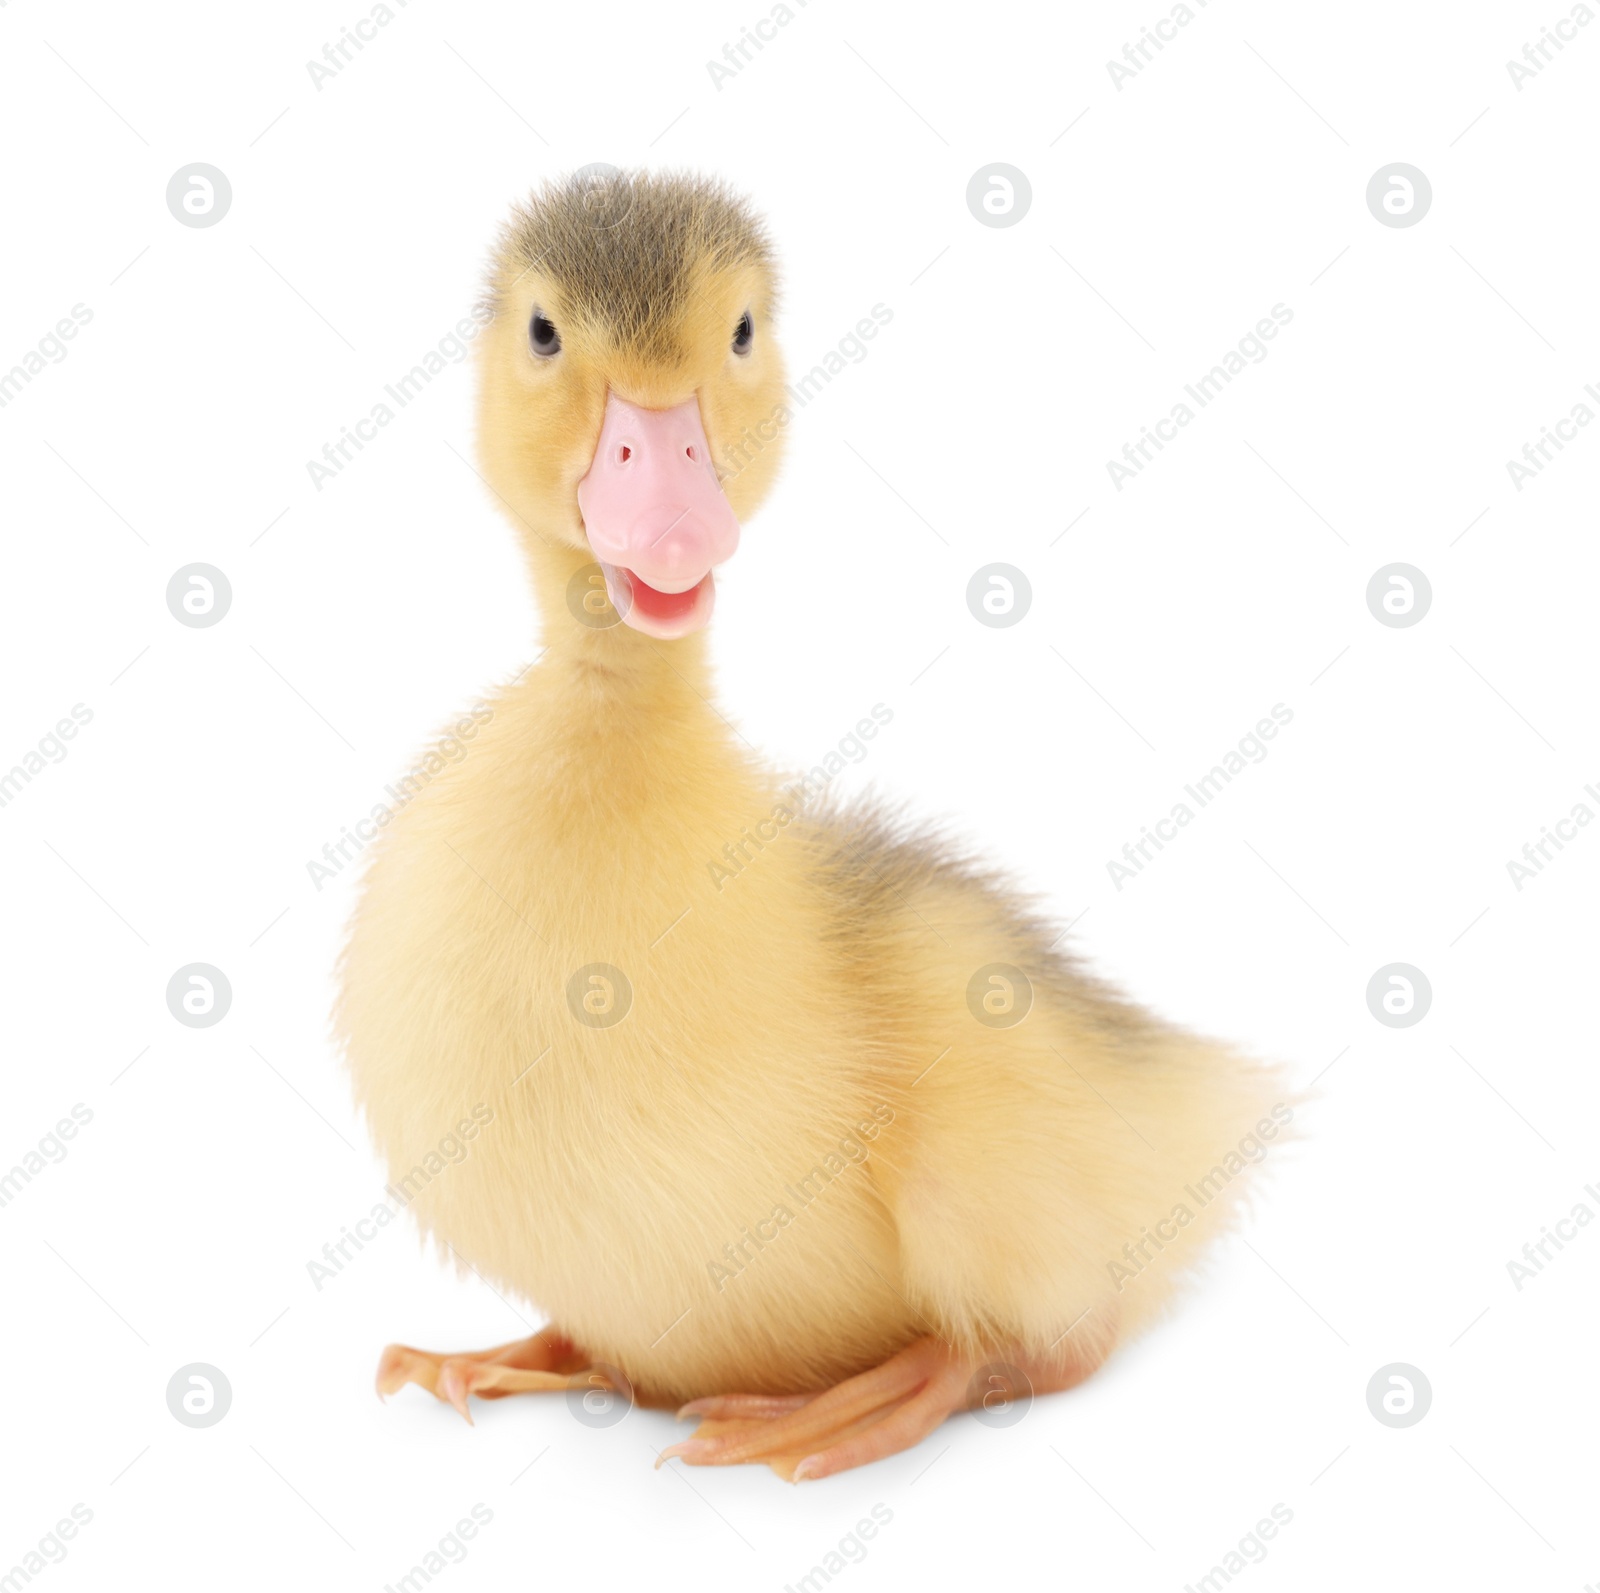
<point x="623" y="1161"/>
<point x="791" y="1144"/>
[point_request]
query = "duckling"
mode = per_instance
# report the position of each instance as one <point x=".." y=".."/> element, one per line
<point x="821" y="1151"/>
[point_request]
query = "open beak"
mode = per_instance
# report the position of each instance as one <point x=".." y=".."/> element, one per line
<point x="656" y="517"/>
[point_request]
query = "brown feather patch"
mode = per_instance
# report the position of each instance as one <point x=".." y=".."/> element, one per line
<point x="629" y="250"/>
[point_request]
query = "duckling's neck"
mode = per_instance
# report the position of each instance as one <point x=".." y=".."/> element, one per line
<point x="606" y="666"/>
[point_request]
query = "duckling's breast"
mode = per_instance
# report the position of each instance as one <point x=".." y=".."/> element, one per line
<point x="677" y="1120"/>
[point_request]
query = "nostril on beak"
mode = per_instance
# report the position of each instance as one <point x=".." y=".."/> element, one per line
<point x="624" y="454"/>
<point x="692" y="454"/>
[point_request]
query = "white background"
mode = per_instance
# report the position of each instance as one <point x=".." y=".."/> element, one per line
<point x="1167" y="218"/>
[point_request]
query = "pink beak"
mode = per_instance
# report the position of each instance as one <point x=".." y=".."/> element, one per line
<point x="656" y="517"/>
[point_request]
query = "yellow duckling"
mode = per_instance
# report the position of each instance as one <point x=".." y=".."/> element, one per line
<point x="830" y="1145"/>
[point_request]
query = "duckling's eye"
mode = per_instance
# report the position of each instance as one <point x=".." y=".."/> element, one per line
<point x="543" y="335"/>
<point x="744" y="334"/>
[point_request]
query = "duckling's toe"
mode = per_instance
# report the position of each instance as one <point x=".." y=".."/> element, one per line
<point x="400" y="1364"/>
<point x="883" y="1411"/>
<point x="866" y="1418"/>
<point x="716" y="1407"/>
<point x="543" y="1362"/>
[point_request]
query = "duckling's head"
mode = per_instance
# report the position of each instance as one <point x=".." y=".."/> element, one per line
<point x="632" y="395"/>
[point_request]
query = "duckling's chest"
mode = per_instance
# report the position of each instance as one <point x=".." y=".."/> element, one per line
<point x="664" y="1058"/>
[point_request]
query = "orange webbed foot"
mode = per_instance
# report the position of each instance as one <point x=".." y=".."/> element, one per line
<point x="802" y="1437"/>
<point x="546" y="1361"/>
<point x="879" y="1413"/>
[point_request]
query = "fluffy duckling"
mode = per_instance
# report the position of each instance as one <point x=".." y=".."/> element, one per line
<point x="824" y="1150"/>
